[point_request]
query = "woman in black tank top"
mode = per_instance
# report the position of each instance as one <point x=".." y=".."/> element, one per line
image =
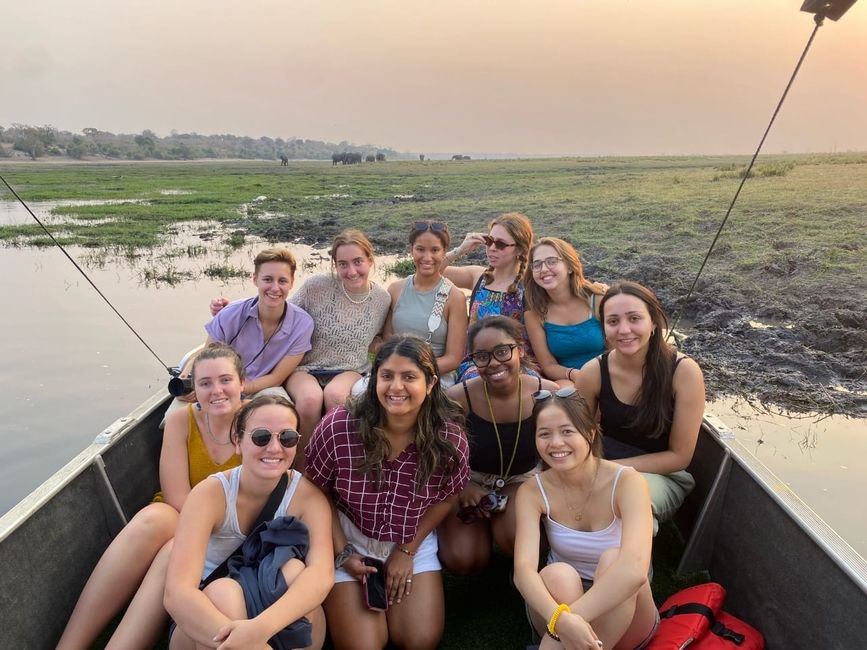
<point x="500" y="430"/>
<point x="650" y="400"/>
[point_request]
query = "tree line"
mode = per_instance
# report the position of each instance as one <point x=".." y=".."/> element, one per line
<point x="47" y="141"/>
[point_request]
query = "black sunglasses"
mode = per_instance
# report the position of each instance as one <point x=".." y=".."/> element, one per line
<point x="499" y="244"/>
<point x="501" y="353"/>
<point x="433" y="226"/>
<point x="469" y="514"/>
<point x="287" y="437"/>
<point x="542" y="395"/>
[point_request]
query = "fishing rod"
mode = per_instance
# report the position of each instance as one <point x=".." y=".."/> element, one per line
<point x="821" y="9"/>
<point x="173" y="372"/>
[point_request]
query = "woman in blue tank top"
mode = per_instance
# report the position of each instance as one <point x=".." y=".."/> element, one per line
<point x="593" y="591"/>
<point x="561" y="320"/>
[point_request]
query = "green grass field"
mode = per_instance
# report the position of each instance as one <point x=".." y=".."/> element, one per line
<point x="796" y="214"/>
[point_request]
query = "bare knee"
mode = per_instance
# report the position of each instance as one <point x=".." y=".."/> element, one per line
<point x="156" y="521"/>
<point x="562" y="582"/>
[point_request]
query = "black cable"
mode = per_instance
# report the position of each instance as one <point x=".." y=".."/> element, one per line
<point x="819" y="19"/>
<point x="80" y="270"/>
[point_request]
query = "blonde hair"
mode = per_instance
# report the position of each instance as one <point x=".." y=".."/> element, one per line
<point x="351" y="236"/>
<point x="537" y="298"/>
<point x="275" y="254"/>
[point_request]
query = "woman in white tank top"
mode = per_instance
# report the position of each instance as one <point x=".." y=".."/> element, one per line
<point x="220" y="512"/>
<point x="594" y="592"/>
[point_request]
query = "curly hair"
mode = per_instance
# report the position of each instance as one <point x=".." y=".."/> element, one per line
<point x="434" y="451"/>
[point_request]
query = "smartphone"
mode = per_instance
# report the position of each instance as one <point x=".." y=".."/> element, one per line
<point x="374" y="585"/>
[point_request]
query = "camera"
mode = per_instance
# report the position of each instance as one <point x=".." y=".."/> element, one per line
<point x="179" y="385"/>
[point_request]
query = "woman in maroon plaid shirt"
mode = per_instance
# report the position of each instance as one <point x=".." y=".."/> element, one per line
<point x="393" y="466"/>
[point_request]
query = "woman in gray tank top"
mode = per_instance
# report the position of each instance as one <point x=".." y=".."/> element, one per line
<point x="216" y="518"/>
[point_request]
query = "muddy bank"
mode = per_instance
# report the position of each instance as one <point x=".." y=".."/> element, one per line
<point x="775" y="340"/>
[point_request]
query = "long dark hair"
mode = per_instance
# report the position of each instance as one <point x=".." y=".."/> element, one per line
<point x="656" y="395"/>
<point x="434" y="451"/>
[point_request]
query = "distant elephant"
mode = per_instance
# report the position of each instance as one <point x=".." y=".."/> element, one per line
<point x="284" y="161"/>
<point x="421" y="157"/>
<point x="338" y="158"/>
<point x="370" y="158"/>
<point x="457" y="156"/>
<point x="380" y="157"/>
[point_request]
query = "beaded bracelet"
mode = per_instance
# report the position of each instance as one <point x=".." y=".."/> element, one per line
<point x="552" y="624"/>
<point x="404" y="549"/>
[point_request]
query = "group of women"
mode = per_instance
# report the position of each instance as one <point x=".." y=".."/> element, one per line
<point x="542" y="403"/>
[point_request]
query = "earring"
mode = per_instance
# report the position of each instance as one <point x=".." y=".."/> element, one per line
<point x="198" y="406"/>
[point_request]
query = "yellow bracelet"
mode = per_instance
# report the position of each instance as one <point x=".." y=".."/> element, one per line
<point x="552" y="624"/>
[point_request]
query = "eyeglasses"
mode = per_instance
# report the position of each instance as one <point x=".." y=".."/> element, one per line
<point x="550" y="262"/>
<point x="433" y="226"/>
<point x="501" y="353"/>
<point x="542" y="395"/>
<point x="470" y="514"/>
<point x="499" y="244"/>
<point x="287" y="437"/>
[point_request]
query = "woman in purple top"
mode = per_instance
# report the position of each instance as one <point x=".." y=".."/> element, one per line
<point x="270" y="335"/>
<point x="393" y="465"/>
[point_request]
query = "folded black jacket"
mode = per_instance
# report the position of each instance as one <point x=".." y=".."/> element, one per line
<point x="257" y="569"/>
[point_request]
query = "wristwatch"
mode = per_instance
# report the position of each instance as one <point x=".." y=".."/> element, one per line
<point x="344" y="555"/>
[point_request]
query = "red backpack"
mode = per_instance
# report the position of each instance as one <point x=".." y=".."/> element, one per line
<point x="693" y="618"/>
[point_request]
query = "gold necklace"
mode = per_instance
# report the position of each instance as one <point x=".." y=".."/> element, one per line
<point x="580" y="513"/>
<point x="501" y="482"/>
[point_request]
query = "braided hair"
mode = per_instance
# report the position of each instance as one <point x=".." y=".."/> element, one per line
<point x="521" y="230"/>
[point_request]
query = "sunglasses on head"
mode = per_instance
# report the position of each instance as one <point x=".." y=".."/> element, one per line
<point x="499" y="244"/>
<point x="542" y="395"/>
<point x="433" y="226"/>
<point x="287" y="437"/>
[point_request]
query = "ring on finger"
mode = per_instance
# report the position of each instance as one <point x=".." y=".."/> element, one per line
<point x="409" y="580"/>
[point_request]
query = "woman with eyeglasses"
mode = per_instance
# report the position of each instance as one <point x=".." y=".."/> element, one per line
<point x="593" y="591"/>
<point x="563" y="318"/>
<point x="649" y="397"/>
<point x="500" y="430"/>
<point x="428" y="305"/>
<point x="498" y="289"/>
<point x="393" y="464"/>
<point x="195" y="445"/>
<point x="278" y="600"/>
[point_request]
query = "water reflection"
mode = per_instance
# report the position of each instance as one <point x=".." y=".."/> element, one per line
<point x="12" y="213"/>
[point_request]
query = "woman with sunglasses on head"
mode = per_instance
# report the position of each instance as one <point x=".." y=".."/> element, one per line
<point x="562" y="320"/>
<point x="393" y="464"/>
<point x="593" y="591"/>
<point x="195" y="444"/>
<point x="428" y="305"/>
<point x="219" y="514"/>
<point x="500" y="429"/>
<point x="650" y="399"/>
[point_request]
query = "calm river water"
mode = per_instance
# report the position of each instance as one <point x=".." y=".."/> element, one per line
<point x="70" y="368"/>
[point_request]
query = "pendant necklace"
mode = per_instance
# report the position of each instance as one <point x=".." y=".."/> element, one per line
<point x="578" y="515"/>
<point x="501" y="480"/>
<point x="349" y="296"/>
<point x="212" y="436"/>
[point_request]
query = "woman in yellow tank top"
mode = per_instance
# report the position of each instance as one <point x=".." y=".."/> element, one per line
<point x="195" y="445"/>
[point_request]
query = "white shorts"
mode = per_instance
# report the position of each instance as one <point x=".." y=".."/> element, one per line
<point x="424" y="560"/>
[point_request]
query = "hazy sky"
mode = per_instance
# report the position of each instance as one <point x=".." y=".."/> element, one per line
<point x="520" y="76"/>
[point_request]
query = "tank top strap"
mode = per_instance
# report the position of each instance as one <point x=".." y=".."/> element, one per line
<point x="677" y="359"/>
<point x="467" y="394"/>
<point x="614" y="487"/>
<point x="604" y="375"/>
<point x="538" y="478"/>
<point x="290" y="492"/>
<point x="230" y="490"/>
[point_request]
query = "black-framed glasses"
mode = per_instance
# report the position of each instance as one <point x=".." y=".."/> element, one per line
<point x="287" y="437"/>
<point x="501" y="353"/>
<point x="499" y="244"/>
<point x="487" y="503"/>
<point x="433" y="226"/>
<point x="550" y="262"/>
<point x="542" y="395"/>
